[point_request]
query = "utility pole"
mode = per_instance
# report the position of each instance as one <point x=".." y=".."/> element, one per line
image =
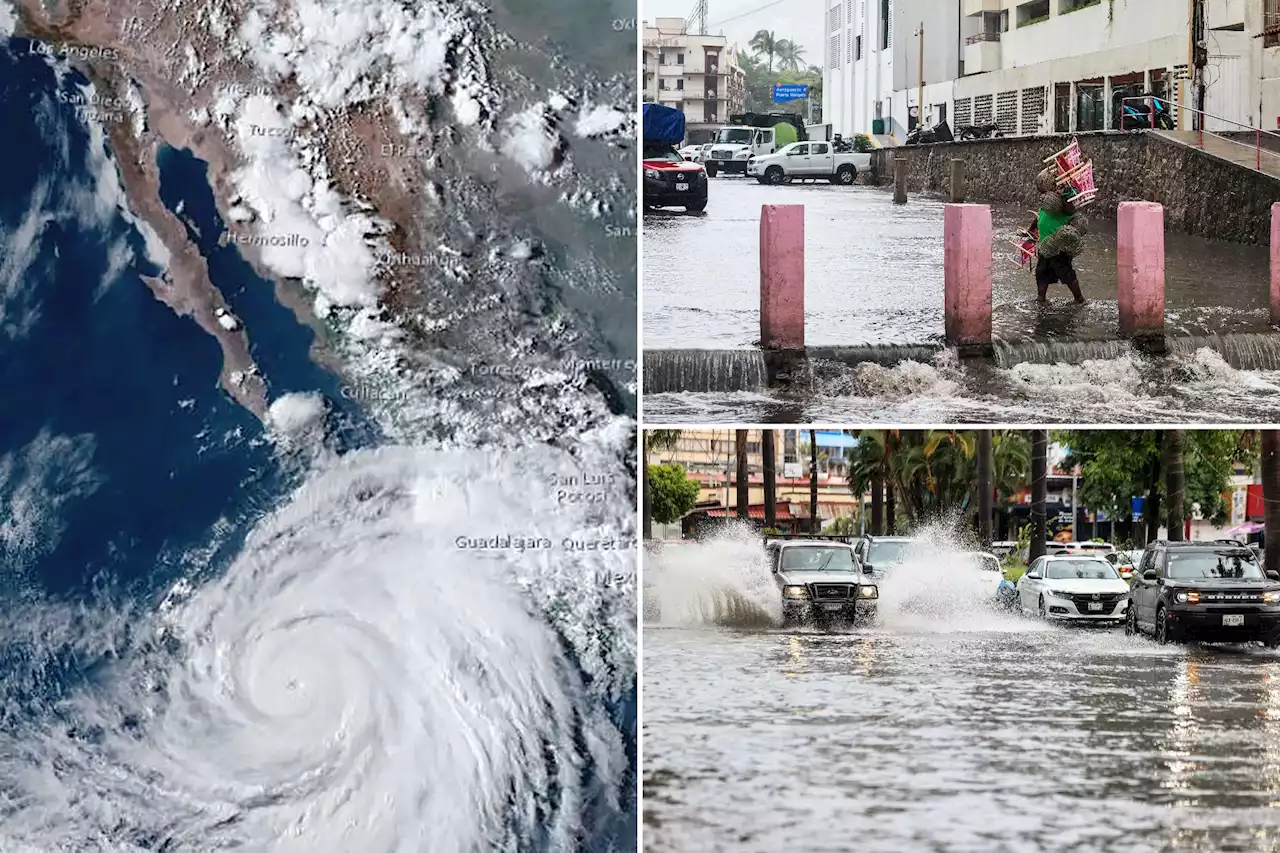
<point x="920" y="94"/>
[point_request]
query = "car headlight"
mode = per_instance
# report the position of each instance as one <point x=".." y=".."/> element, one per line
<point x="742" y="155"/>
<point x="651" y="173"/>
<point x="795" y="592"/>
<point x="1056" y="593"/>
<point x="1181" y="598"/>
<point x="1270" y="597"/>
<point x="868" y="591"/>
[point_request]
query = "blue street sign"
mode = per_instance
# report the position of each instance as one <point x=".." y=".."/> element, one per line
<point x="1137" y="504"/>
<point x="783" y="92"/>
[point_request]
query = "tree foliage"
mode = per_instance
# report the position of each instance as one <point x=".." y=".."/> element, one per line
<point x="674" y="494"/>
<point x="1116" y="465"/>
<point x="933" y="472"/>
<point x="761" y="76"/>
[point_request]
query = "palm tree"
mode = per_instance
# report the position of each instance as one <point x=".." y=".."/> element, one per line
<point x="790" y="55"/>
<point x="658" y="439"/>
<point x="770" y="479"/>
<point x="1271" y="498"/>
<point x="815" y="526"/>
<point x="869" y="467"/>
<point x="1174" y="482"/>
<point x="1151" y="512"/>
<point x="1011" y="461"/>
<point x="764" y="42"/>
<point x="744" y="476"/>
<point x="986" y="472"/>
<point x="1039" y="491"/>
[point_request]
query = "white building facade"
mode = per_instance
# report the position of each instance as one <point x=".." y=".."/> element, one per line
<point x="696" y="74"/>
<point x="1044" y="66"/>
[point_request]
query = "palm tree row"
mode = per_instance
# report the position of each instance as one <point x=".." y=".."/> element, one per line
<point x="929" y="473"/>
<point x="790" y="55"/>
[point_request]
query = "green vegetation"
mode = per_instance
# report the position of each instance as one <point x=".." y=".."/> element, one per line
<point x="842" y="526"/>
<point x="1040" y="19"/>
<point x="762" y="75"/>
<point x="674" y="494"/>
<point x="1084" y="5"/>
<point x="933" y="472"/>
<point x="1117" y="465"/>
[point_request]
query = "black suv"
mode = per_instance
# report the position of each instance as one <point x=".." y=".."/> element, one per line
<point x="1213" y="591"/>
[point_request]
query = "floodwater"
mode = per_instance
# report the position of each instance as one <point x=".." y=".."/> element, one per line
<point x="1198" y="386"/>
<point x="954" y="729"/>
<point x="874" y="274"/>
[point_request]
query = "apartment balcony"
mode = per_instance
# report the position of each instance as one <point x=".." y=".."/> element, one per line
<point x="982" y="53"/>
<point x="977" y="7"/>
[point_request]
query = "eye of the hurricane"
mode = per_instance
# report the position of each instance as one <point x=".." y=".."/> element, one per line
<point x="353" y="673"/>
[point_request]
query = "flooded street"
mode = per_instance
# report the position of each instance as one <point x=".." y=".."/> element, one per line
<point x="873" y="274"/>
<point x="1008" y="736"/>
<point x="949" y="725"/>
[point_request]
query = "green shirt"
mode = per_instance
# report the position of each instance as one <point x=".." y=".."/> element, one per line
<point x="1050" y="223"/>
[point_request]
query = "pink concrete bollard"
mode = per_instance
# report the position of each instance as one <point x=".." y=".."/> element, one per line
<point x="782" y="276"/>
<point x="966" y="232"/>
<point x="1140" y="267"/>
<point x="1275" y="264"/>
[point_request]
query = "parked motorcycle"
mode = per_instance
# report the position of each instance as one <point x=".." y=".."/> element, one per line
<point x="980" y="131"/>
<point x="940" y="132"/>
<point x="1136" y="115"/>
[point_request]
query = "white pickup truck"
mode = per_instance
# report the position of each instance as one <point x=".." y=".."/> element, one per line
<point x="801" y="161"/>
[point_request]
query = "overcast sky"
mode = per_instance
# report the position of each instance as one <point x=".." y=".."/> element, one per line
<point x="798" y="20"/>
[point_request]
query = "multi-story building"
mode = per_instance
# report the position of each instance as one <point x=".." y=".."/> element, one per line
<point x="1045" y="66"/>
<point x="709" y="456"/>
<point x="696" y="74"/>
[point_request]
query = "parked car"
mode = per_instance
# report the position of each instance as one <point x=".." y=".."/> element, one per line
<point x="1003" y="592"/>
<point x="1209" y="591"/>
<point x="669" y="180"/>
<point x="672" y="181"/>
<point x="821" y="580"/>
<point x="881" y="553"/>
<point x="1126" y="562"/>
<point x="808" y="161"/>
<point x="1076" y="588"/>
<point x="690" y="152"/>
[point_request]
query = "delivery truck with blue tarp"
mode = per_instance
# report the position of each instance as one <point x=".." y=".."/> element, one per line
<point x="669" y="180"/>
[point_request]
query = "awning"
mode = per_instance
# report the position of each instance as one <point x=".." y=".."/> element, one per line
<point x="835" y="439"/>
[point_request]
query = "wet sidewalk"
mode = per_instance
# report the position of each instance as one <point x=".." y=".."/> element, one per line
<point x="874" y="275"/>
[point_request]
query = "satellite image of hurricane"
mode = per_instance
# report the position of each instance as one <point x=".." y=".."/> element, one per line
<point x="317" y="426"/>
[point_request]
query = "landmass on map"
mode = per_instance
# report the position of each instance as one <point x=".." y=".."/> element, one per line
<point x="322" y="124"/>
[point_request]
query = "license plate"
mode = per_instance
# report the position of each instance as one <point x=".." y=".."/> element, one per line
<point x="1229" y="621"/>
<point x="1095" y="605"/>
<point x="832" y="606"/>
<point x="682" y="187"/>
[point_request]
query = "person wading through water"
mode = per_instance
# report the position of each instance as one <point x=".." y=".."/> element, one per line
<point x="1060" y="233"/>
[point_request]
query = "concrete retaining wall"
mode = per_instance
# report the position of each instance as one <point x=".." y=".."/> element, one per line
<point x="1201" y="194"/>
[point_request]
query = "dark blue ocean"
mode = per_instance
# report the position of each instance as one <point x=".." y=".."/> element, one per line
<point x="123" y="467"/>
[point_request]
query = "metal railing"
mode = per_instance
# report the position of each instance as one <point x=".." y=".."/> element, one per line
<point x="1258" y="132"/>
<point x="981" y="37"/>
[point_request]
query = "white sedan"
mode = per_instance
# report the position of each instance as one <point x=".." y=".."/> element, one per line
<point x="1076" y="588"/>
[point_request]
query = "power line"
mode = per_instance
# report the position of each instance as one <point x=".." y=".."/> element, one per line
<point x="752" y="12"/>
